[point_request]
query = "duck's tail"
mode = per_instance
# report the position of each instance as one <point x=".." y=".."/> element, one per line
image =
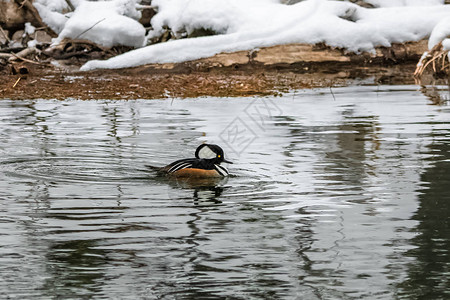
<point x="158" y="170"/>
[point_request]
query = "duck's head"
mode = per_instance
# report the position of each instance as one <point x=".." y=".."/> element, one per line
<point x="211" y="152"/>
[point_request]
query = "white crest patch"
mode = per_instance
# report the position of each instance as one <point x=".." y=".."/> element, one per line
<point x="207" y="153"/>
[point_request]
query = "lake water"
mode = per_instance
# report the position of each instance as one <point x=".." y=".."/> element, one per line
<point x="340" y="194"/>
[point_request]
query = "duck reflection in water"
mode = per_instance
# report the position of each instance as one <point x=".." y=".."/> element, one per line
<point x="205" y="189"/>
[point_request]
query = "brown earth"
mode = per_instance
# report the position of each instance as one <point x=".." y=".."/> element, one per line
<point x="267" y="71"/>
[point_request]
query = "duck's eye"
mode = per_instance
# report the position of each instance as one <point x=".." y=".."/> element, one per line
<point x="218" y="155"/>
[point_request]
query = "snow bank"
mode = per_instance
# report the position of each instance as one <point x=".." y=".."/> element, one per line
<point x="440" y="33"/>
<point x="230" y="16"/>
<point x="56" y="5"/>
<point x="108" y="23"/>
<point x="54" y="13"/>
<point x="249" y="24"/>
<point x="53" y="18"/>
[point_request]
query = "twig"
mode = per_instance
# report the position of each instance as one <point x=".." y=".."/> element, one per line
<point x="12" y="49"/>
<point x="89" y="28"/>
<point x="70" y="5"/>
<point x="6" y="55"/>
<point x="332" y="94"/>
<point x="421" y="69"/>
<point x="70" y="54"/>
<point x="17" y="81"/>
<point x="23" y="3"/>
<point x="4" y="34"/>
<point x="30" y="61"/>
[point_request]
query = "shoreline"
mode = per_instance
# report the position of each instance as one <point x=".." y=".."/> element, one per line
<point x="267" y="71"/>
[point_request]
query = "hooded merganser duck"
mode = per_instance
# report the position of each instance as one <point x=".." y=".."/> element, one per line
<point x="206" y="164"/>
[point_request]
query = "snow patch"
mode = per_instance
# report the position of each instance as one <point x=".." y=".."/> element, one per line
<point x="108" y="23"/>
<point x="54" y="5"/>
<point x="250" y="24"/>
<point x="446" y="44"/>
<point x="439" y="33"/>
<point x="54" y="19"/>
<point x="29" y="29"/>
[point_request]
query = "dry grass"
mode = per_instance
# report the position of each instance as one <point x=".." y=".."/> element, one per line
<point x="437" y="59"/>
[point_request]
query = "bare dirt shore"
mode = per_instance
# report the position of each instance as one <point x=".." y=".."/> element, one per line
<point x="267" y="71"/>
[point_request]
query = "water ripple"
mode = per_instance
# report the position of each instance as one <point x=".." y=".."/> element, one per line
<point x="75" y="170"/>
<point x="332" y="198"/>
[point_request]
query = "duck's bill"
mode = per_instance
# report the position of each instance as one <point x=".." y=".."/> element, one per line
<point x="227" y="161"/>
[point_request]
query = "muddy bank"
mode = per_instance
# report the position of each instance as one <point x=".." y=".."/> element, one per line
<point x="265" y="71"/>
